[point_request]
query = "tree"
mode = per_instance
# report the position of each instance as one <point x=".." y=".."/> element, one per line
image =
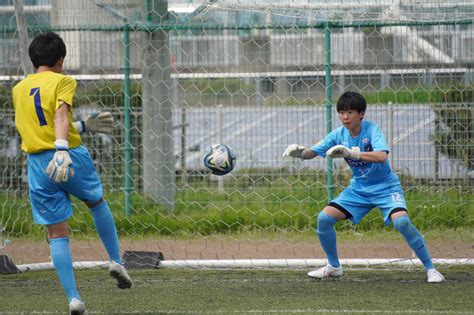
<point x="454" y="133"/>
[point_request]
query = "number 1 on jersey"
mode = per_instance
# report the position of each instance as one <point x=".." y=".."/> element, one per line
<point x="38" y="108"/>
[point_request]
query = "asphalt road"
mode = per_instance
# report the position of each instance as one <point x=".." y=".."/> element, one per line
<point x="260" y="135"/>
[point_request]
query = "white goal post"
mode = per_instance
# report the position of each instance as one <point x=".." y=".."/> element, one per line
<point x="261" y="263"/>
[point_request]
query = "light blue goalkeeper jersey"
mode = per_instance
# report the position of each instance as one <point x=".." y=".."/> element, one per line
<point x="366" y="177"/>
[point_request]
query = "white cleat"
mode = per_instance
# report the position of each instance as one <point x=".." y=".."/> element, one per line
<point x="434" y="276"/>
<point x="326" y="272"/>
<point x="77" y="307"/>
<point x="118" y="272"/>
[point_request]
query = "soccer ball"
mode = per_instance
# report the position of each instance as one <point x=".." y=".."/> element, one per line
<point x="220" y="159"/>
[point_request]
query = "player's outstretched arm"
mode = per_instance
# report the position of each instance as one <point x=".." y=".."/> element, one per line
<point x="294" y="150"/>
<point x="102" y="122"/>
<point x="298" y="151"/>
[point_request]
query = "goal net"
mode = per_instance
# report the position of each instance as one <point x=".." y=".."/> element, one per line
<point x="179" y="76"/>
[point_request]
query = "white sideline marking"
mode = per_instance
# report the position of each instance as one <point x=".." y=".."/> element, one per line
<point x="281" y="311"/>
<point x="416" y="127"/>
<point x="258" y="122"/>
<point x="277" y="139"/>
<point x="254" y="124"/>
<point x="291" y="311"/>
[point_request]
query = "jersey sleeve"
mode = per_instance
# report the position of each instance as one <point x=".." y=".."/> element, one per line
<point x="378" y="139"/>
<point x="66" y="91"/>
<point x="326" y="143"/>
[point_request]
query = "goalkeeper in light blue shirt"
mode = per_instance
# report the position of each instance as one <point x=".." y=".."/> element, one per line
<point x="373" y="184"/>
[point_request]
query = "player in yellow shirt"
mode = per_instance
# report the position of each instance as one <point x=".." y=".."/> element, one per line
<point x="58" y="165"/>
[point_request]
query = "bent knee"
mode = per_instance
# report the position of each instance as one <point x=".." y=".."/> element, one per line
<point x="402" y="223"/>
<point x="58" y="230"/>
<point x="93" y="204"/>
<point x="325" y="220"/>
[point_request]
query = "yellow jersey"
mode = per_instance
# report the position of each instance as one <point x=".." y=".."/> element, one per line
<point x="35" y="101"/>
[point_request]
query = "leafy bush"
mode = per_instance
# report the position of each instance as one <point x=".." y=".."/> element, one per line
<point x="109" y="95"/>
<point x="454" y="134"/>
<point x="220" y="87"/>
<point x="419" y="95"/>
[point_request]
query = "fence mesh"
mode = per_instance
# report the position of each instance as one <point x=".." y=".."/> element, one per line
<point x="180" y="76"/>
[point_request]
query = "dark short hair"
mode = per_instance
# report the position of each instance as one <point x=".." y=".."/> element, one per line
<point x="351" y="101"/>
<point x="46" y="49"/>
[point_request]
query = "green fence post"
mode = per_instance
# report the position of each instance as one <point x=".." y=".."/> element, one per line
<point x="126" y="105"/>
<point x="329" y="168"/>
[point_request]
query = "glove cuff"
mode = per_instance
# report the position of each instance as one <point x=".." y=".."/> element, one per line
<point x="79" y="126"/>
<point x="355" y="153"/>
<point x="61" y="144"/>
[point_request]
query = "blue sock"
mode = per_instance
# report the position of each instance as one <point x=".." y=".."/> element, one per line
<point x="414" y="239"/>
<point x="62" y="261"/>
<point x="105" y="226"/>
<point x="327" y="237"/>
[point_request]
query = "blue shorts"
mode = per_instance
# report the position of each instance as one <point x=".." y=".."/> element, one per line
<point x="358" y="204"/>
<point x="50" y="200"/>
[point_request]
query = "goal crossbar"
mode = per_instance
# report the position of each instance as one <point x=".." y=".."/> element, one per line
<point x="266" y="74"/>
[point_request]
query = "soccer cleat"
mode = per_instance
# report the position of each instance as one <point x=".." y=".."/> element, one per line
<point x="118" y="272"/>
<point x="434" y="276"/>
<point x="77" y="307"/>
<point x="326" y="272"/>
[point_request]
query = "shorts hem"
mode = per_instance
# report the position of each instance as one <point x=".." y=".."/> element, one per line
<point x="341" y="208"/>
<point x="54" y="221"/>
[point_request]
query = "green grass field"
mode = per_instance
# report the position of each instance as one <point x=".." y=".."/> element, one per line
<point x="276" y="291"/>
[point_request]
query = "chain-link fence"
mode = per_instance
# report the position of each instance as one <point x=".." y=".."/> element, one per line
<point x="179" y="77"/>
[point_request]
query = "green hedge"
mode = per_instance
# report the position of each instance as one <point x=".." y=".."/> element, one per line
<point x="200" y="209"/>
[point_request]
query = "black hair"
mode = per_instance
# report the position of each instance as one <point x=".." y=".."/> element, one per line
<point x="351" y="101"/>
<point x="46" y="49"/>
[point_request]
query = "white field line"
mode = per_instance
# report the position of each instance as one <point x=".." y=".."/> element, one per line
<point x="413" y="129"/>
<point x="265" y="311"/>
<point x="213" y="135"/>
<point x="277" y="311"/>
<point x="254" y="124"/>
<point x="282" y="135"/>
<point x="197" y="155"/>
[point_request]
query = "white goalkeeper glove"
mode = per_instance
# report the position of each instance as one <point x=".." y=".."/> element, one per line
<point x="97" y="122"/>
<point x="60" y="167"/>
<point x="341" y="151"/>
<point x="294" y="150"/>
